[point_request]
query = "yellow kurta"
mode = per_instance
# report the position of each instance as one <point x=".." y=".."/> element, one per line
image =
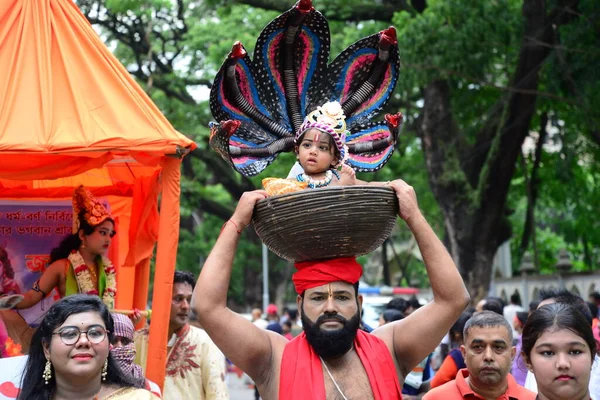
<point x="195" y="365"/>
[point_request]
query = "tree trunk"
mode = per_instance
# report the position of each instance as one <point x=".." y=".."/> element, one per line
<point x="472" y="195"/>
<point x="476" y="266"/>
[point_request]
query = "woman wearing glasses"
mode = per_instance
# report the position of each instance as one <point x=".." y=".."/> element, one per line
<point x="69" y="356"/>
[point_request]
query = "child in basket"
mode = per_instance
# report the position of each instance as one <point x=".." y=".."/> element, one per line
<point x="321" y="151"/>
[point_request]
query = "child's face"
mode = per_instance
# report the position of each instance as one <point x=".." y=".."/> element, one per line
<point x="315" y="152"/>
<point x="561" y="361"/>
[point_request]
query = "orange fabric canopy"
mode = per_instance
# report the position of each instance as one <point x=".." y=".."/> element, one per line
<point x="71" y="114"/>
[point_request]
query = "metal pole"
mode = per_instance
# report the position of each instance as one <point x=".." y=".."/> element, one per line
<point x="525" y="289"/>
<point x="265" y="271"/>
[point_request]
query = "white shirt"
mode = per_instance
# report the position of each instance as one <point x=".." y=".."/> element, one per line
<point x="510" y="312"/>
<point x="261" y="323"/>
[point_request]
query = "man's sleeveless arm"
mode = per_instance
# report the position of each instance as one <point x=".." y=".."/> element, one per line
<point x="412" y="339"/>
<point x="250" y="348"/>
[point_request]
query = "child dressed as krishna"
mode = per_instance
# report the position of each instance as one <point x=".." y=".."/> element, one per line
<point x="288" y="98"/>
<point x="77" y="265"/>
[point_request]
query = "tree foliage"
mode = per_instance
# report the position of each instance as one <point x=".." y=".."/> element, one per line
<point x="478" y="81"/>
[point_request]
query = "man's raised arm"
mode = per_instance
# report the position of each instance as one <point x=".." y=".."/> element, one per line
<point x="246" y="345"/>
<point x="416" y="336"/>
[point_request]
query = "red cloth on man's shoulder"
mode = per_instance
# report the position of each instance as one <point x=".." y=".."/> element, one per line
<point x="460" y="389"/>
<point x="302" y="372"/>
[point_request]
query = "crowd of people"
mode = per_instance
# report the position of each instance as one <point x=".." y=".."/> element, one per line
<point x="319" y="350"/>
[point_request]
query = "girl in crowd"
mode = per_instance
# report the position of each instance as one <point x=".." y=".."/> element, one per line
<point x="559" y="348"/>
<point x="70" y="358"/>
<point x="519" y="369"/>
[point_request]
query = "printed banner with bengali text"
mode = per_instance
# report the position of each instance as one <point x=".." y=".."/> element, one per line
<point x="28" y="232"/>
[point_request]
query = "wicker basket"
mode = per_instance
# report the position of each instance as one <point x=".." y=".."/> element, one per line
<point x="314" y="224"/>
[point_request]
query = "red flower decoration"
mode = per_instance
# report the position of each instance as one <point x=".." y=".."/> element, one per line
<point x="394" y="120"/>
<point x="230" y="126"/>
<point x="388" y="37"/>
<point x="81" y="268"/>
<point x="12" y="349"/>
<point x="237" y="51"/>
<point x="305" y="6"/>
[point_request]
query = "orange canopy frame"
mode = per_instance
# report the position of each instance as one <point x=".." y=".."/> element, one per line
<point x="71" y="114"/>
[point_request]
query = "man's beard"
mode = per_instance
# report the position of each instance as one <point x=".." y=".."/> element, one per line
<point x="330" y="343"/>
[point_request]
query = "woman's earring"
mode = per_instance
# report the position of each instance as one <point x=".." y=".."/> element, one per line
<point x="105" y="370"/>
<point x="47" y="375"/>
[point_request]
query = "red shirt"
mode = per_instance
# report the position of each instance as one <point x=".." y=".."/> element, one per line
<point x="460" y="389"/>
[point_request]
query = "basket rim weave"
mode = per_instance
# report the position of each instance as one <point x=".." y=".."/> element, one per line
<point x="330" y="222"/>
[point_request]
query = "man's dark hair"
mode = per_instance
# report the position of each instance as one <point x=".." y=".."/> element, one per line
<point x="498" y="299"/>
<point x="595" y="295"/>
<point x="534" y="305"/>
<point x="459" y="326"/>
<point x="559" y="295"/>
<point x="515" y="298"/>
<point x="184" y="277"/>
<point x="593" y="309"/>
<point x="563" y="296"/>
<point x="391" y="315"/>
<point x="493" y="305"/>
<point x="488" y="319"/>
<point x="397" y="303"/>
<point x="414" y="303"/>
<point x="293" y="313"/>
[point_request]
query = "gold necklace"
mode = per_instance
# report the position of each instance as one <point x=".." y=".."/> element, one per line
<point x="94" y="275"/>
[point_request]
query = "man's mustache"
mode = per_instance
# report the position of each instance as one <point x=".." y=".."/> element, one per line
<point x="331" y="317"/>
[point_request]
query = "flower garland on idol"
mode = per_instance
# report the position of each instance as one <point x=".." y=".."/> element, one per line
<point x="84" y="278"/>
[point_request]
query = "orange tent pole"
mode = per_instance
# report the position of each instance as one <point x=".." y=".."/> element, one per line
<point x="166" y="255"/>
<point x="140" y="294"/>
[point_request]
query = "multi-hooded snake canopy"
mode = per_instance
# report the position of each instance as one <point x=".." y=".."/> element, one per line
<point x="261" y="103"/>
